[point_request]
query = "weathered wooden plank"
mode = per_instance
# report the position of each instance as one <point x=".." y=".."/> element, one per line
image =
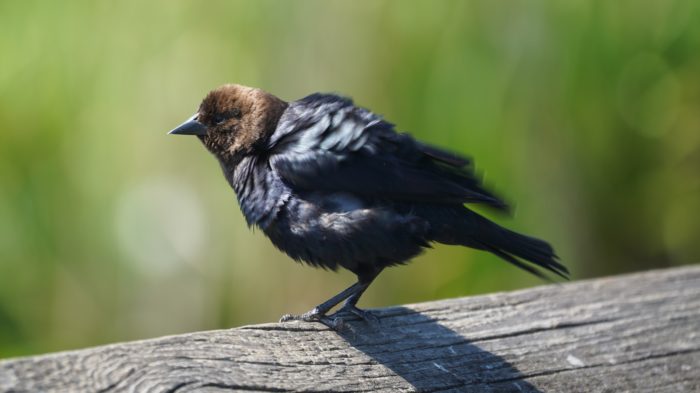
<point x="639" y="333"/>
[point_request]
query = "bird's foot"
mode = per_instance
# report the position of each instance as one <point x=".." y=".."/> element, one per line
<point x="365" y="315"/>
<point x="316" y="315"/>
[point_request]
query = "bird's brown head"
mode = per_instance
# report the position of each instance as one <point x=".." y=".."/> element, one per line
<point x="233" y="120"/>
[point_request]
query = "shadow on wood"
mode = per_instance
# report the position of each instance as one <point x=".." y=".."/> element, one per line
<point x="431" y="357"/>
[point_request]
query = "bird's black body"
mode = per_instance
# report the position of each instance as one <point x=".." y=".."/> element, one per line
<point x="332" y="184"/>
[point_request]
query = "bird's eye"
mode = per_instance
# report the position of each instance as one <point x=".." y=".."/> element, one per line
<point x="218" y="119"/>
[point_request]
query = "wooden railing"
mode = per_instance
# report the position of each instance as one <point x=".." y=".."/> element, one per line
<point x="638" y="332"/>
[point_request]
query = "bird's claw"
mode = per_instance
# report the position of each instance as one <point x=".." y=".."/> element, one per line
<point x="312" y="316"/>
<point x="288" y="317"/>
<point x="364" y="315"/>
<point x="333" y="322"/>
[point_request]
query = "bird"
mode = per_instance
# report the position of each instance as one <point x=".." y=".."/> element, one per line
<point x="335" y="185"/>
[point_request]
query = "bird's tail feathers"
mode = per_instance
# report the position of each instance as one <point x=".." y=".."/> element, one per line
<point x="525" y="252"/>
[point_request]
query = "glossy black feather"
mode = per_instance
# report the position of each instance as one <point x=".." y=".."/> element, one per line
<point x="323" y="142"/>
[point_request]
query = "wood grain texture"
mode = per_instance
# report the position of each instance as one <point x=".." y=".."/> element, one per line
<point x="637" y="333"/>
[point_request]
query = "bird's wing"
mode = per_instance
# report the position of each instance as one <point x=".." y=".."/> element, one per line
<point x="324" y="142"/>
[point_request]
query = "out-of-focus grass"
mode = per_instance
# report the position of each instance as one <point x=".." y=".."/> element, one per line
<point x="583" y="113"/>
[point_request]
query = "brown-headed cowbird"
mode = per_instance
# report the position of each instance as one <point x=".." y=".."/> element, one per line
<point x="334" y="185"/>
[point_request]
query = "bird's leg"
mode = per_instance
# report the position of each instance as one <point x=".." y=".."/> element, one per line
<point x="319" y="312"/>
<point x="350" y="307"/>
<point x="350" y="303"/>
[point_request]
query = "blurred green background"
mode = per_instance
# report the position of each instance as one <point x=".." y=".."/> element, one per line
<point x="585" y="114"/>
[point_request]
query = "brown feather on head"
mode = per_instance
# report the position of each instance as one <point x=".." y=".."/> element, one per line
<point x="238" y="118"/>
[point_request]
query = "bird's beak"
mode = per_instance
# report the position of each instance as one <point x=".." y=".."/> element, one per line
<point x="190" y="127"/>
